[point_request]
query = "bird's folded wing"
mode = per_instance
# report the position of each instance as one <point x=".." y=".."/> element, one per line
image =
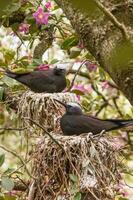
<point x="43" y="78"/>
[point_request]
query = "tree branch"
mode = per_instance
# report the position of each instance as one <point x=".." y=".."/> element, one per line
<point x="113" y="19"/>
<point x="76" y="73"/>
<point x="12" y="129"/>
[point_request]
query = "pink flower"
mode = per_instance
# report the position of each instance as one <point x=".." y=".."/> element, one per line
<point x="89" y="88"/>
<point x="122" y="189"/>
<point x="91" y="66"/>
<point x="81" y="45"/>
<point x="82" y="88"/>
<point x="48" y="5"/>
<point x="41" y="17"/>
<point x="79" y="87"/>
<point x="12" y="193"/>
<point x="24" y="28"/>
<point x="105" y="85"/>
<point x="42" y="67"/>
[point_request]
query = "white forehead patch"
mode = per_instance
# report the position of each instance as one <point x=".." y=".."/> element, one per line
<point x="74" y="105"/>
<point x="60" y="66"/>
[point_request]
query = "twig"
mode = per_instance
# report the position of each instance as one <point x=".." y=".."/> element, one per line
<point x="77" y="72"/>
<point x="40" y="126"/>
<point x="19" y="157"/>
<point x="105" y="104"/>
<point x="85" y="75"/>
<point x="31" y="191"/>
<point x="100" y="94"/>
<point x="129" y="139"/>
<point x="116" y="106"/>
<point x="23" y="182"/>
<point x="15" y="170"/>
<point x="12" y="129"/>
<point x="113" y="19"/>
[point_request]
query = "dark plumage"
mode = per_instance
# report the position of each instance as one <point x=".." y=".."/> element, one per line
<point x="51" y="80"/>
<point x="74" y="122"/>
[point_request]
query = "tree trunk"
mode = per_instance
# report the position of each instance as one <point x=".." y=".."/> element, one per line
<point x="104" y="40"/>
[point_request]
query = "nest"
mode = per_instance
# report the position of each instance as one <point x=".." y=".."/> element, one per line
<point x="42" y="108"/>
<point x="76" y="167"/>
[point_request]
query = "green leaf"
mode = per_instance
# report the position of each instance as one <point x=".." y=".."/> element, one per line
<point x="1" y="93"/>
<point x="122" y="198"/>
<point x="33" y="28"/>
<point x="9" y="197"/>
<point x="73" y="178"/>
<point x="9" y="81"/>
<point x="9" y="55"/>
<point x="54" y="61"/>
<point x="9" y="6"/>
<point x="69" y="42"/>
<point x="78" y="92"/>
<point x="3" y="6"/>
<point x="74" y="52"/>
<point x="7" y="183"/>
<point x="37" y="62"/>
<point x="77" y="196"/>
<point x="15" y="26"/>
<point x="8" y="171"/>
<point x="2" y="159"/>
<point x="20" y="70"/>
<point x="68" y="83"/>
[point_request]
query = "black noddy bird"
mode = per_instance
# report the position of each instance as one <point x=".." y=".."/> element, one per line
<point x="74" y="122"/>
<point x="50" y="80"/>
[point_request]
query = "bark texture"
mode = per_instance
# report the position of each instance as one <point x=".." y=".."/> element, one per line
<point x="101" y="37"/>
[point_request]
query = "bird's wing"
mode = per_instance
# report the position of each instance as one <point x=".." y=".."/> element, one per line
<point x="36" y="77"/>
<point x="79" y="124"/>
<point x="110" y="124"/>
<point x="46" y="76"/>
<point x="91" y="124"/>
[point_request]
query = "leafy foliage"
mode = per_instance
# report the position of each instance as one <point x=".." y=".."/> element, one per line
<point x="7" y="183"/>
<point x="2" y="159"/>
<point x="94" y="88"/>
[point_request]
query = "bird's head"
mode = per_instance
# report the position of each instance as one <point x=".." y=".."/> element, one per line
<point x="59" y="70"/>
<point x="71" y="108"/>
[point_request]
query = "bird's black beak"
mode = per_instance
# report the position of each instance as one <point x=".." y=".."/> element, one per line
<point x="64" y="104"/>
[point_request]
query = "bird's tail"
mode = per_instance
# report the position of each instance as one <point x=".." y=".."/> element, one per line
<point x="11" y="74"/>
<point x="116" y="123"/>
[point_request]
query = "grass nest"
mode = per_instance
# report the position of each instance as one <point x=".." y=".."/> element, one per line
<point x="42" y="108"/>
<point x="74" y="168"/>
